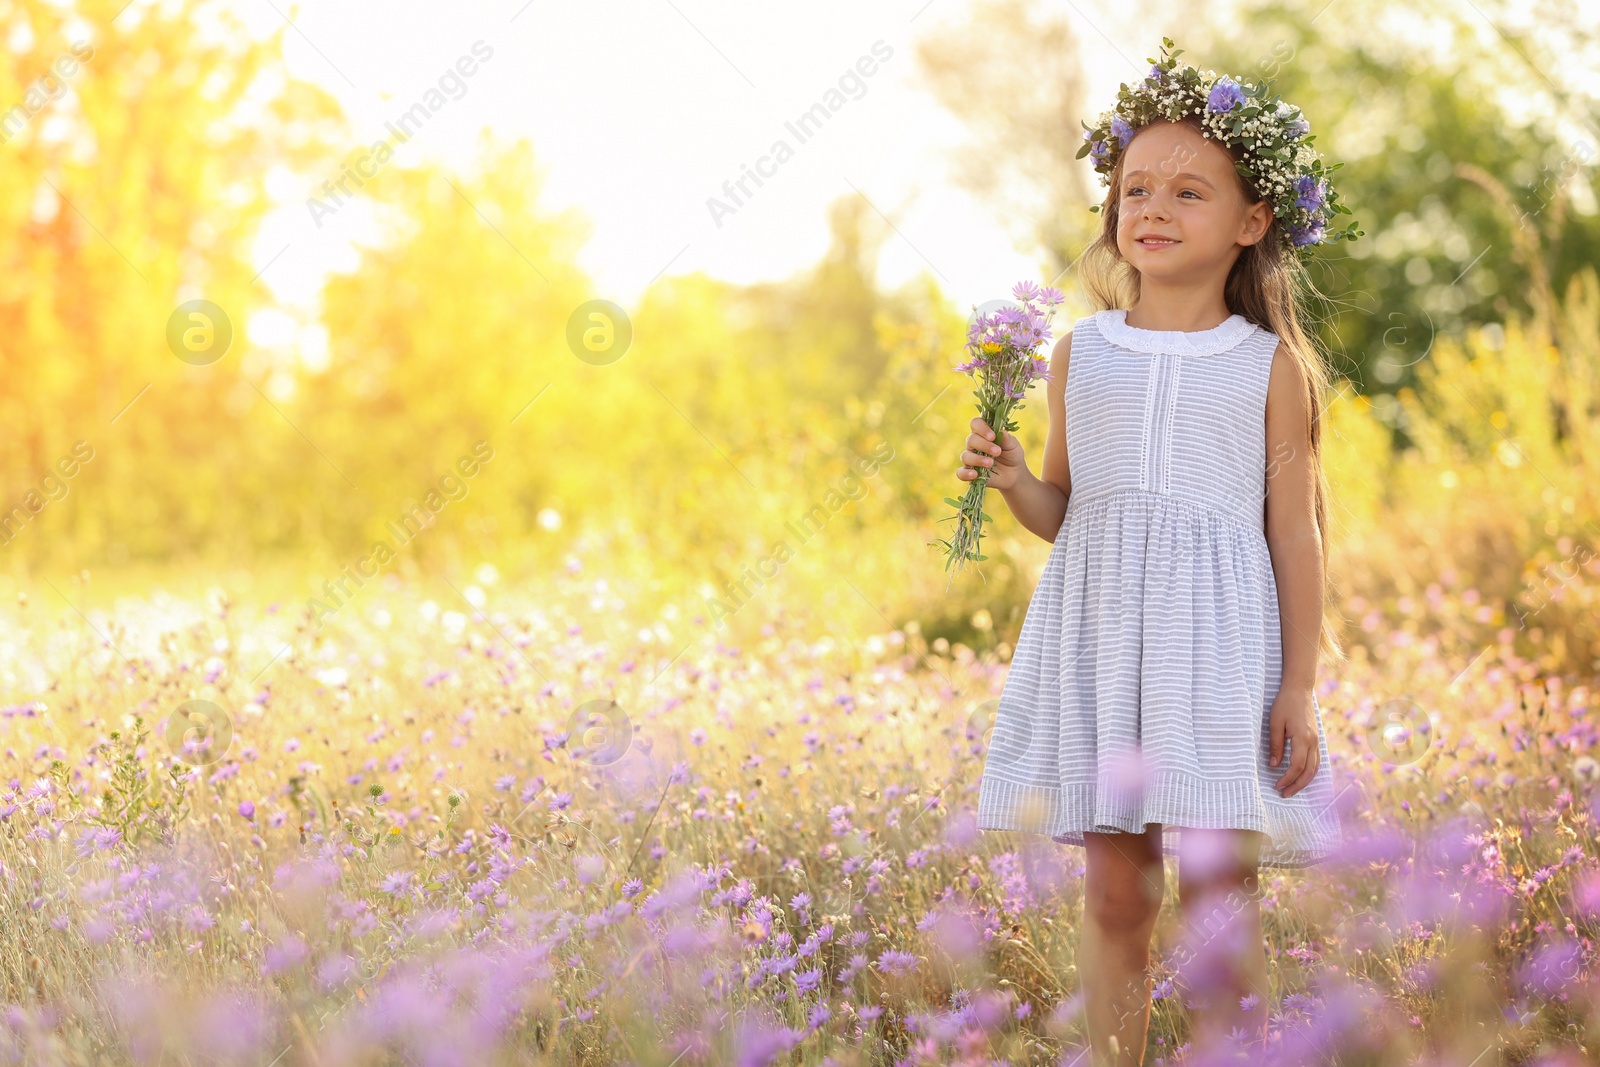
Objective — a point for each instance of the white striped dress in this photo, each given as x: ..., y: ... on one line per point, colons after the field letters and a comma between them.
x: 1151, y: 652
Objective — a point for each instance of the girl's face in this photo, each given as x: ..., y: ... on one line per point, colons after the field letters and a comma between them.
x: 1179, y: 186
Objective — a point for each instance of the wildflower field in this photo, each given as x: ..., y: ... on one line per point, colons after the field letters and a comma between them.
x: 524, y: 832
x: 562, y: 816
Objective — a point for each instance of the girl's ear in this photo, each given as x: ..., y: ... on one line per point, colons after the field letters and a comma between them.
x: 1257, y: 219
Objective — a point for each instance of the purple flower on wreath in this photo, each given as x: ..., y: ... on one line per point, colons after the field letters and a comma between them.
x: 1155, y: 76
x: 1097, y: 152
x: 1224, y: 96
x: 1309, y: 191
x: 1308, y: 235
x: 1293, y: 131
x: 1122, y: 131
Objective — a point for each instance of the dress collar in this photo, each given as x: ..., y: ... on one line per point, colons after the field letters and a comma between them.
x: 1113, y: 326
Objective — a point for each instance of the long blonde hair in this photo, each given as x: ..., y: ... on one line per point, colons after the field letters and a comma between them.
x: 1271, y: 289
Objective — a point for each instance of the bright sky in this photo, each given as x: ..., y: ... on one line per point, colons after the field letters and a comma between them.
x: 641, y: 111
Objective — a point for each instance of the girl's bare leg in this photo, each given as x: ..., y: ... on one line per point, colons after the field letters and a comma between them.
x: 1123, y: 889
x: 1224, y: 950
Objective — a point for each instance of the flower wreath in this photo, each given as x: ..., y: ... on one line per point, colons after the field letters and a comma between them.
x: 1276, y: 139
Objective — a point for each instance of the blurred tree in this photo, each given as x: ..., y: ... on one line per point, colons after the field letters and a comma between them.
x: 445, y: 332
x: 1012, y: 73
x: 1465, y: 201
x: 135, y: 138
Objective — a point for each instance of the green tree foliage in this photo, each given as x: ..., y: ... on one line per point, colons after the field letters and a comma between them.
x: 134, y: 185
x: 1468, y: 205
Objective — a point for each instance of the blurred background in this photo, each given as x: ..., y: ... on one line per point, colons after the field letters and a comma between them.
x: 269, y: 271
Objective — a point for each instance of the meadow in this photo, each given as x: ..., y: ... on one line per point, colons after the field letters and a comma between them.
x: 558, y: 815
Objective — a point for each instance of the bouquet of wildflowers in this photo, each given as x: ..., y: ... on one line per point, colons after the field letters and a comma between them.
x: 1003, y: 346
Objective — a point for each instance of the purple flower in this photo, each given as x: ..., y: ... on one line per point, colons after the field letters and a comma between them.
x: 1121, y: 131
x: 761, y: 1043
x: 1586, y: 895
x: 1097, y: 151
x: 1297, y: 129
x: 894, y: 961
x: 1309, y: 192
x: 247, y: 809
x: 1310, y: 235
x: 396, y: 883
x: 1225, y: 95
x: 1023, y: 290
x: 1552, y: 969
x: 98, y: 839
x: 284, y: 955
x: 1155, y: 76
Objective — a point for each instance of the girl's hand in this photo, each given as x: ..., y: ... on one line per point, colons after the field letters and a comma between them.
x: 1292, y: 718
x: 1005, y: 459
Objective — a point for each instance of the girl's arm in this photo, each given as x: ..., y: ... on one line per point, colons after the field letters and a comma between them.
x: 1291, y: 519
x: 1040, y: 504
x: 1296, y: 548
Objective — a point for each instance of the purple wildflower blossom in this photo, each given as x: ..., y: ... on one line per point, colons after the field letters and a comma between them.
x: 1309, y: 192
x: 1309, y: 235
x: 896, y: 961
x: 1225, y: 95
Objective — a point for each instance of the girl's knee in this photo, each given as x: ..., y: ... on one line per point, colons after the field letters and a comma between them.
x: 1125, y: 880
x: 1127, y: 908
x: 1218, y: 858
x: 1124, y: 900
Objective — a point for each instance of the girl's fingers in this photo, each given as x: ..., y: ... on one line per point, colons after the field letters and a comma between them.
x: 1313, y: 761
x: 1305, y: 765
x: 1297, y: 762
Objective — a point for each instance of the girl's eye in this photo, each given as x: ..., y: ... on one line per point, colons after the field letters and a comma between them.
x: 1139, y: 188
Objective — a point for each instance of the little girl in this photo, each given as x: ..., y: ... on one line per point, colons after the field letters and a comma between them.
x: 1161, y: 699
